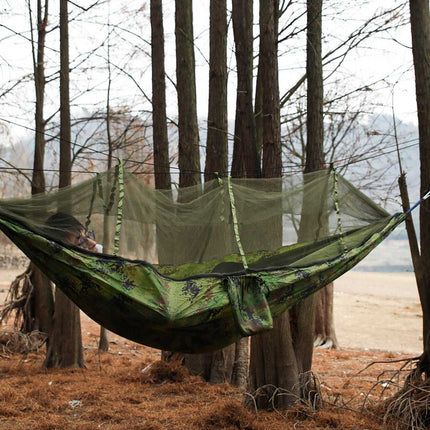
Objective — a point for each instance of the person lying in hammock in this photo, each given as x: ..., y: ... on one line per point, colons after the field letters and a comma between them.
x: 67, y: 228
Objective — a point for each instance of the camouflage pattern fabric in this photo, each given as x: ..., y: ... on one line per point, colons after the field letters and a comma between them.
x: 203, y: 311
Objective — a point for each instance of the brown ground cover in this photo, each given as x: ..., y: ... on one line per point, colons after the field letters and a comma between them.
x: 130, y: 388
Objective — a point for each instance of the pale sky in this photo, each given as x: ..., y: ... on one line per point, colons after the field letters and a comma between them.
x: 385, y: 56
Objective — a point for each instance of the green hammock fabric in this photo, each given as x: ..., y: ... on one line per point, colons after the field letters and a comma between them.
x: 211, y: 300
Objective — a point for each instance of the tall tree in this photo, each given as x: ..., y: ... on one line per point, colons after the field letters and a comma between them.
x: 303, y: 314
x: 223, y: 365
x: 420, y: 29
x: 43, y: 305
x: 65, y: 341
x: 189, y: 154
x: 283, y: 357
x: 272, y: 362
x: 246, y: 161
x: 216, y: 142
x: 159, y: 117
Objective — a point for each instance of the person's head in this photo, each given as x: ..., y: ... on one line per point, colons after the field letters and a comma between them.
x: 70, y: 230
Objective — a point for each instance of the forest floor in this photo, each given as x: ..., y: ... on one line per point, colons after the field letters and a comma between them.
x: 378, y: 325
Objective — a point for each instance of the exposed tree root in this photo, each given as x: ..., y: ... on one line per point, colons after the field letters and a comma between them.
x: 310, y: 397
x: 16, y: 342
x: 18, y: 300
x: 410, y: 407
x: 326, y: 342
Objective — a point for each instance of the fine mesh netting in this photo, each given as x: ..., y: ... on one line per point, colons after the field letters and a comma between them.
x: 196, y: 269
x: 203, y: 223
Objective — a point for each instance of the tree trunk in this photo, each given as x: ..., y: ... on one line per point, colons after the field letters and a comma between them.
x: 65, y: 346
x: 325, y: 334
x: 159, y: 117
x: 228, y: 364
x: 282, y: 358
x: 273, y: 363
x: 38, y: 179
x: 104, y: 339
x: 246, y: 162
x: 216, y: 143
x: 189, y: 155
x: 420, y: 28
x: 65, y: 127
x: 322, y: 301
x: 43, y: 301
x: 65, y: 342
x: 159, y: 120
x: 272, y: 153
x: 303, y: 315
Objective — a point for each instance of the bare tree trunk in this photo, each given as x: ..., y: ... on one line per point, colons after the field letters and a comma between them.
x: 273, y: 363
x: 159, y: 120
x: 258, y: 110
x: 325, y: 334
x: 38, y: 180
x: 282, y: 358
x: 65, y: 127
x: 189, y: 155
x: 246, y: 160
x: 159, y: 117
x: 43, y: 301
x: 65, y: 342
x: 420, y: 28
x: 216, y: 143
x: 303, y: 315
x: 231, y: 363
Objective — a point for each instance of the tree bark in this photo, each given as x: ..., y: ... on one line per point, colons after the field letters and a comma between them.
x: 325, y: 333
x: 65, y: 346
x: 159, y: 117
x: 159, y: 120
x: 420, y: 29
x: 282, y: 358
x: 273, y: 363
x: 43, y: 301
x: 216, y: 143
x: 303, y: 315
x: 65, y: 127
x: 229, y: 364
x: 38, y: 179
x: 272, y: 154
x: 246, y: 162
x: 189, y: 154
x: 65, y: 342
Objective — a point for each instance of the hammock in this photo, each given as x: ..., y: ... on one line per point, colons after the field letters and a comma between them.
x: 234, y: 255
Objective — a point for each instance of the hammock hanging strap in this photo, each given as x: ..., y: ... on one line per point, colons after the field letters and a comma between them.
x: 120, y: 171
x: 337, y: 208
x: 93, y: 197
x: 235, y: 222
x: 117, y: 180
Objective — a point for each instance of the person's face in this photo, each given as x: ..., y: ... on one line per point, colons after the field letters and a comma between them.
x: 85, y: 240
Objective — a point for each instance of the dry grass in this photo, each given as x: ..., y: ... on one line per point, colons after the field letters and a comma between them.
x: 130, y: 388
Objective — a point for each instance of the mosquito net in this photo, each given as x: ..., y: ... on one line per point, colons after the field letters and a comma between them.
x: 195, y: 269
x: 194, y: 229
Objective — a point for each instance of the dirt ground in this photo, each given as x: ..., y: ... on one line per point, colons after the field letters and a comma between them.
x: 377, y: 319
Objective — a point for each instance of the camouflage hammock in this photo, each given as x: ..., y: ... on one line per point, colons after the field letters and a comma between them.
x: 195, y: 270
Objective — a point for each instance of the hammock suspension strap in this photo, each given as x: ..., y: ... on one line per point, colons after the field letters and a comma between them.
x: 235, y: 223
x: 337, y: 209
